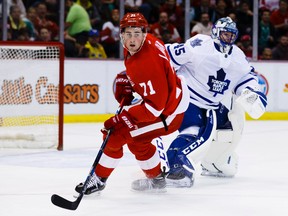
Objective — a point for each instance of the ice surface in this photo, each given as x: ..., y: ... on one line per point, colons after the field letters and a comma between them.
x: 28, y: 178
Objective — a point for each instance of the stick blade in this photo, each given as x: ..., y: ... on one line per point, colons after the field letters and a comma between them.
x: 64, y: 203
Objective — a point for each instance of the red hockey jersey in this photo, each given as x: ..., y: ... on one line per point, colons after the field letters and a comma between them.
x: 154, y: 79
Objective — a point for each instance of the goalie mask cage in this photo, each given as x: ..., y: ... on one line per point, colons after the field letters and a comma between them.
x: 31, y: 95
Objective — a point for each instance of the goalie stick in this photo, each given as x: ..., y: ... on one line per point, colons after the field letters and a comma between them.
x: 73, y: 205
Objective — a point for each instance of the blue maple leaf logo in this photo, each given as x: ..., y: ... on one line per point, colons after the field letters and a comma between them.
x: 196, y: 42
x: 218, y: 84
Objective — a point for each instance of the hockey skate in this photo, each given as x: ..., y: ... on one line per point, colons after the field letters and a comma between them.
x: 156, y: 185
x: 181, y: 173
x: 178, y: 177
x: 95, y: 184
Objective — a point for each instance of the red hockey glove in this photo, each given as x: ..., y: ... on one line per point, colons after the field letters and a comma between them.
x: 121, y: 120
x: 123, y: 89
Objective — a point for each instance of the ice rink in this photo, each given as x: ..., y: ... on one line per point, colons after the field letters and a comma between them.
x: 30, y: 177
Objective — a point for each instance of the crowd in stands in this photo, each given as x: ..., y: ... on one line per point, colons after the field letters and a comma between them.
x: 92, y: 26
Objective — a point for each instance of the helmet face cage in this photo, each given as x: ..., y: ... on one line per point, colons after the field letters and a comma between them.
x: 224, y: 33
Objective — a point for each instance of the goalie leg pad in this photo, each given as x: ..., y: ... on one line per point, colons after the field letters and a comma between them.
x: 190, y: 144
x: 221, y: 159
x: 222, y: 168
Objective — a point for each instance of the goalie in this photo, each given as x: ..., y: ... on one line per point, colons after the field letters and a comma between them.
x: 214, y: 69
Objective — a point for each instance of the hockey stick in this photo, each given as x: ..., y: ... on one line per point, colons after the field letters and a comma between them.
x: 73, y: 205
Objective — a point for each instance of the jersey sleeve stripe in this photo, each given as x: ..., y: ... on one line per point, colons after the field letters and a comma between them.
x: 171, y: 56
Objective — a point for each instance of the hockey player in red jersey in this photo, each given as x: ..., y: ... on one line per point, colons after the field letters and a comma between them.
x: 164, y: 99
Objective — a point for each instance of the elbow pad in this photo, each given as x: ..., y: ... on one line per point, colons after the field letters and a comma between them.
x: 253, y: 102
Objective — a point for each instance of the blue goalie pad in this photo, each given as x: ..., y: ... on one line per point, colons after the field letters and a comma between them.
x: 184, y: 144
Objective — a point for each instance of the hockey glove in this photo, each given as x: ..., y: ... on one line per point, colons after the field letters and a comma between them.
x: 121, y: 120
x: 254, y: 102
x: 123, y: 89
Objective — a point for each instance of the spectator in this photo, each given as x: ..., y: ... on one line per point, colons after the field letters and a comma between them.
x: 279, y: 18
x: 70, y: 45
x: 23, y: 35
x: 138, y: 6
x: 232, y: 15
x: 18, y: 3
x: 110, y: 35
x: 244, y: 18
x: 266, y: 32
x: 245, y: 45
x: 93, y: 12
x: 204, y: 7
x: 164, y: 26
x: 31, y: 16
x: 77, y: 24
x: 53, y: 6
x: 280, y: 52
x: 15, y: 23
x: 266, y: 54
x: 166, y: 36
x: 93, y: 49
x: 271, y: 5
x: 106, y: 7
x: 42, y: 21
x: 175, y: 15
x: 30, y: 3
x: 202, y: 27
x: 221, y: 9
x: 44, y: 35
x: 155, y: 6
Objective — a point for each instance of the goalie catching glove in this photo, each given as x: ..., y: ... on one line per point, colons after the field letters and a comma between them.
x: 123, y: 89
x: 253, y: 102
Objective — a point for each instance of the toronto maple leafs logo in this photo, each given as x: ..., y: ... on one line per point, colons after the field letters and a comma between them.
x: 218, y: 84
x: 196, y: 42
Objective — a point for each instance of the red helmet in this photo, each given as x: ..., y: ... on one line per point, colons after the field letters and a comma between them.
x: 133, y: 19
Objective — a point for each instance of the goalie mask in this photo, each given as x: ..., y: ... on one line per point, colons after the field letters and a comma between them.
x: 224, y: 33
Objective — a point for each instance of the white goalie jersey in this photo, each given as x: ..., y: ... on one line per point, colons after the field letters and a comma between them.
x: 209, y: 73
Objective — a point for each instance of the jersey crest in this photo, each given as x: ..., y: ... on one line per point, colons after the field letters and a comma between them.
x: 218, y: 84
x: 196, y: 42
